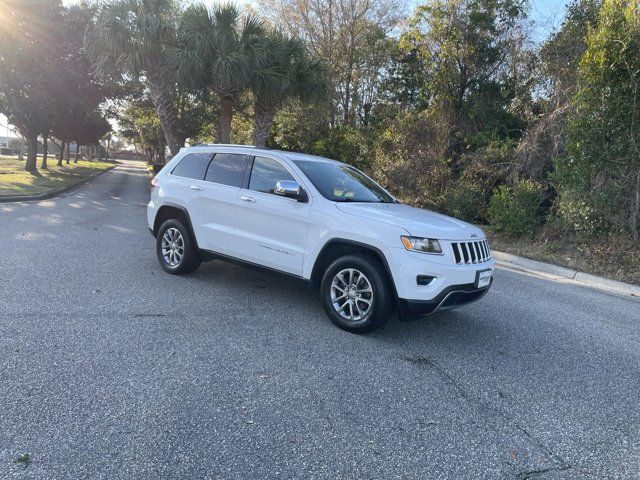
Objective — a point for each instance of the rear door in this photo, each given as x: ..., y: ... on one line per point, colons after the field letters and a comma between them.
x: 185, y: 184
x: 218, y: 207
x: 271, y: 230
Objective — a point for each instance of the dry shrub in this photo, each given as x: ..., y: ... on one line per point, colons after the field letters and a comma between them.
x: 616, y: 257
x: 410, y: 159
x: 543, y: 141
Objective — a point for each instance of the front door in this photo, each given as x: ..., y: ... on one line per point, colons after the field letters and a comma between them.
x: 271, y: 230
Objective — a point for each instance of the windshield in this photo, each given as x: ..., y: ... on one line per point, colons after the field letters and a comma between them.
x: 342, y: 183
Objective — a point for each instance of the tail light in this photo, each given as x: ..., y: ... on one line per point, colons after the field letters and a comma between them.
x: 154, y: 182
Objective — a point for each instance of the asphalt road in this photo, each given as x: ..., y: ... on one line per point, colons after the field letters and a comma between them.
x: 110, y: 368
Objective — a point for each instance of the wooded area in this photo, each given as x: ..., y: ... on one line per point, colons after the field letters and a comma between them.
x: 451, y: 104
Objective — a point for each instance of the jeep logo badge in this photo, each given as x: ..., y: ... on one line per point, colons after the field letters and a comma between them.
x: 473, y: 235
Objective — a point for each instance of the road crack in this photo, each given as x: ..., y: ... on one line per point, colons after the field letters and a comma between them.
x: 542, y: 471
x: 560, y: 464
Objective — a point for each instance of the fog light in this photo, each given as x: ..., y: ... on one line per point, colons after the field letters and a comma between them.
x: 425, y: 280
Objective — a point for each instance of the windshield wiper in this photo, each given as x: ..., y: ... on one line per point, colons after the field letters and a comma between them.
x: 352, y: 200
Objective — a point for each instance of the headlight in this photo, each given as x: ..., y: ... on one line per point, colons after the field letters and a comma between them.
x: 423, y: 245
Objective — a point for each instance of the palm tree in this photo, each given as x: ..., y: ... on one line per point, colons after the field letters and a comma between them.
x: 218, y: 50
x: 131, y: 39
x: 287, y: 72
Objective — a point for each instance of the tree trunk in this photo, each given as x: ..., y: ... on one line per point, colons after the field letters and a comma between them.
x: 367, y: 111
x: 224, y: 120
x: 262, y: 120
x: 162, y: 158
x: 61, y: 154
x: 45, y: 152
x: 635, y: 214
x: 159, y: 92
x: 347, y: 98
x: 21, y: 151
x: 32, y: 154
x: 51, y: 140
x: 67, y: 152
x: 75, y: 160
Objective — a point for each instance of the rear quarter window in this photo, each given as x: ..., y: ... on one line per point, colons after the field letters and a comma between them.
x: 192, y: 165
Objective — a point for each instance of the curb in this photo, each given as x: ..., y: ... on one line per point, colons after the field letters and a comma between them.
x: 513, y: 261
x: 52, y: 193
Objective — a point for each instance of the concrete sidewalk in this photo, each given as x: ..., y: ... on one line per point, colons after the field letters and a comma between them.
x: 513, y: 262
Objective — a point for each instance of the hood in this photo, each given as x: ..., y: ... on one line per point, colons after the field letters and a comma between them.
x: 418, y: 222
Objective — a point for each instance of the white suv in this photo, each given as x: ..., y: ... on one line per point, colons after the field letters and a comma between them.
x: 320, y: 220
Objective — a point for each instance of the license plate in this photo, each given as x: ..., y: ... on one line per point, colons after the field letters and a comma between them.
x: 483, y: 278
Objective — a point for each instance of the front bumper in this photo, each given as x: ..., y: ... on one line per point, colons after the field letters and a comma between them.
x: 406, y: 267
x: 451, y: 297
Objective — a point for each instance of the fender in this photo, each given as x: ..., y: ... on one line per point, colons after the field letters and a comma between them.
x: 364, y: 246
x: 177, y: 207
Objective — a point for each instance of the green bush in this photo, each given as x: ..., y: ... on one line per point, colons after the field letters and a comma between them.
x: 597, y: 178
x: 347, y: 144
x: 584, y: 216
x: 514, y: 210
x: 467, y: 197
x: 466, y: 202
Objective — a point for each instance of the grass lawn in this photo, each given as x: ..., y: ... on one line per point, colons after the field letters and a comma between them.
x: 14, y: 180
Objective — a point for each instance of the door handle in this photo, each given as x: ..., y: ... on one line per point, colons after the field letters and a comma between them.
x: 196, y: 188
x: 247, y: 199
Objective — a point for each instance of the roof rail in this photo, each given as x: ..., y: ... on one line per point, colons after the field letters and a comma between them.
x: 226, y: 145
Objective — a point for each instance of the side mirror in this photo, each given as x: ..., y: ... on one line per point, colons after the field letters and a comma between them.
x: 290, y: 189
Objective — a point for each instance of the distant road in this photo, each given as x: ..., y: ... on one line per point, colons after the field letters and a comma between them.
x: 110, y: 368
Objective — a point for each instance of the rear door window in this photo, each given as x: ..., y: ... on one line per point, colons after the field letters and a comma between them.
x: 192, y: 165
x: 227, y: 169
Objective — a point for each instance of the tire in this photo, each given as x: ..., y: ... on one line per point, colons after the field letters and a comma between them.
x: 336, y: 304
x: 173, y: 232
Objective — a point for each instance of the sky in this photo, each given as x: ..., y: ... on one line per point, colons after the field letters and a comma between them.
x: 546, y: 16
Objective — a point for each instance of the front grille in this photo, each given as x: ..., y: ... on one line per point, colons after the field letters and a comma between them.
x: 467, y: 253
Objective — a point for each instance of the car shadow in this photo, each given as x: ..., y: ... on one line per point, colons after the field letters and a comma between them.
x: 457, y: 327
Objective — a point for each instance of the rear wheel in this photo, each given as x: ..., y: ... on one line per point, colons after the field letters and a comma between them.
x: 175, y: 248
x: 356, y: 294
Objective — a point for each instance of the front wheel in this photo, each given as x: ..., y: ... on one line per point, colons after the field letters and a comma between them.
x: 356, y: 294
x: 175, y: 248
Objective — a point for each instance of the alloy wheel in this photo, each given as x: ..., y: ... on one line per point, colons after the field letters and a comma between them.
x: 351, y: 294
x: 172, y: 247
